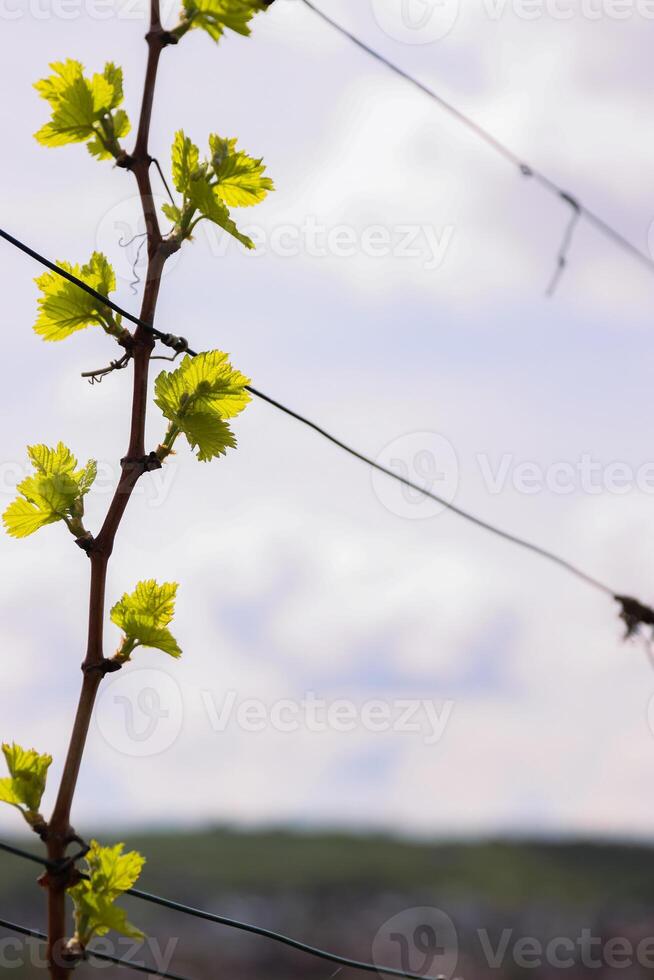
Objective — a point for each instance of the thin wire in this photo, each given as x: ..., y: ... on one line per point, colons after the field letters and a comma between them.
x: 526, y: 169
x: 564, y: 251
x: 27, y: 855
x: 105, y: 957
x: 163, y: 180
x: 277, y: 937
x: 466, y: 515
x: 75, y: 281
x: 478, y: 521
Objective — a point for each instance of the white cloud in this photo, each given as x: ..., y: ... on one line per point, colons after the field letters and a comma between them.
x: 294, y: 575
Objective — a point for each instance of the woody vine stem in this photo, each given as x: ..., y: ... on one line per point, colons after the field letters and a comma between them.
x: 196, y: 400
x: 59, y: 834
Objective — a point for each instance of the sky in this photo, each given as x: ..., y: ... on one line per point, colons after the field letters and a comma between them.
x: 353, y: 655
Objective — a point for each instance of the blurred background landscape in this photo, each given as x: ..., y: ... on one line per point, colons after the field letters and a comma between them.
x: 339, y: 891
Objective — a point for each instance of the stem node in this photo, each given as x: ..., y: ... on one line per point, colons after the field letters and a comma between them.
x: 144, y: 463
x: 104, y: 667
x: 159, y: 36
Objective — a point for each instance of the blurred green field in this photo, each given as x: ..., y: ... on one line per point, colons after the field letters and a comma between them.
x: 230, y: 860
x: 495, y: 872
x: 227, y: 860
x: 337, y: 890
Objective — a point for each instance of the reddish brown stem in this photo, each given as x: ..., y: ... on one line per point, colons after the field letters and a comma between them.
x: 59, y: 832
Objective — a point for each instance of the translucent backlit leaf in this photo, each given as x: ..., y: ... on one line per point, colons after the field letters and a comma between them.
x: 64, y: 308
x: 53, y: 493
x: 198, y: 397
x: 229, y: 177
x: 25, y: 785
x: 217, y: 16
x: 144, y: 616
x: 240, y: 177
x: 110, y: 873
x: 83, y: 109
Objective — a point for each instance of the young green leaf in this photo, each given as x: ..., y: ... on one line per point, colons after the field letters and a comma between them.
x: 172, y: 212
x: 110, y: 873
x: 229, y: 177
x: 25, y: 785
x: 209, y: 434
x: 144, y: 616
x: 83, y: 109
x: 204, y: 197
x: 240, y: 177
x: 215, y: 16
x: 197, y: 398
x: 64, y: 308
x: 186, y: 160
x: 55, y: 492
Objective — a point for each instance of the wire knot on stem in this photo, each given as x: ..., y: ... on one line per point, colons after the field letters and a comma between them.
x: 634, y: 614
x: 157, y: 35
x: 85, y: 543
x: 148, y: 463
x: 179, y: 344
x: 104, y: 666
x: 62, y: 873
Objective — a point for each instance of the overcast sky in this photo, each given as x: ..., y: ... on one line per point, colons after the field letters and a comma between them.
x: 397, y: 297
